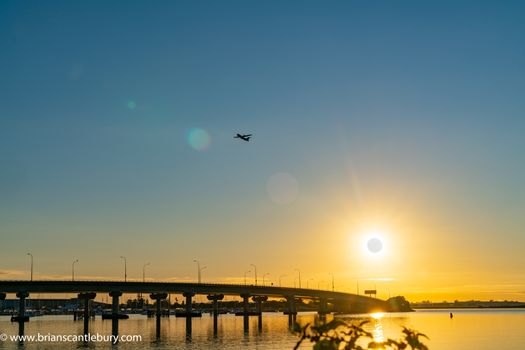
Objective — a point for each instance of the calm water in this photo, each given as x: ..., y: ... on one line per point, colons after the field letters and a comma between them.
x: 469, y: 329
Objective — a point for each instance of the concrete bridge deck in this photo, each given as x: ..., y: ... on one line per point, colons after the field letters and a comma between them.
x: 87, y: 290
x: 54, y: 286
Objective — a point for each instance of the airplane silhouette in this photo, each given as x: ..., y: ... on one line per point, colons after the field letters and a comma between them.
x: 245, y: 137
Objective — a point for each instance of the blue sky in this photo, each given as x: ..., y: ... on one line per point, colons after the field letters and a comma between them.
x: 358, y: 101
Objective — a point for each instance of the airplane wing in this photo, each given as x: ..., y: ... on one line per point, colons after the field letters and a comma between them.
x: 245, y: 137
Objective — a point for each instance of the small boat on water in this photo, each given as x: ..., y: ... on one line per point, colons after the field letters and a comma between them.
x: 109, y: 316
x: 16, y: 318
x: 250, y: 313
x: 221, y: 312
x: 183, y: 313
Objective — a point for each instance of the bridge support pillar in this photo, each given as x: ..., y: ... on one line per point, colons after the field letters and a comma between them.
x: 258, y: 301
x: 86, y: 297
x: 114, y: 311
x: 245, y: 311
x: 215, y: 299
x: 21, y: 311
x: 189, y: 306
x: 323, y: 309
x: 189, y: 311
x: 2, y: 297
x: 292, y: 310
x: 158, y: 297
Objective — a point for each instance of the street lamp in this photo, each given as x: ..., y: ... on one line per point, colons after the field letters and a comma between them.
x: 280, y: 279
x: 311, y: 279
x: 299, y: 272
x: 266, y: 274
x: 199, y: 269
x: 125, y: 268
x: 245, y: 272
x: 144, y: 272
x: 31, y: 255
x: 255, y: 270
x: 333, y: 285
x: 73, y: 270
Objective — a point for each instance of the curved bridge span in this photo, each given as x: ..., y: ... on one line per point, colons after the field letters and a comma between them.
x: 180, y: 288
x: 87, y: 291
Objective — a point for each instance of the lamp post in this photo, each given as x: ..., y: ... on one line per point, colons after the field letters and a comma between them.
x: 144, y: 272
x: 200, y: 273
x: 125, y: 268
x: 311, y: 279
x: 299, y: 272
x: 199, y: 269
x: 280, y: 279
x: 245, y: 272
x: 31, y: 255
x: 255, y: 270
x: 333, y: 284
x: 73, y: 270
x: 266, y: 274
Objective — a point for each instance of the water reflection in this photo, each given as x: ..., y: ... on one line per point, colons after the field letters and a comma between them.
x: 377, y: 332
x: 470, y: 329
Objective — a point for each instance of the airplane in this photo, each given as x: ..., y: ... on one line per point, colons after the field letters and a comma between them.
x: 245, y: 137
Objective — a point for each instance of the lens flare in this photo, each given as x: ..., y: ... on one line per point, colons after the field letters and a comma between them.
x: 132, y: 104
x: 198, y: 139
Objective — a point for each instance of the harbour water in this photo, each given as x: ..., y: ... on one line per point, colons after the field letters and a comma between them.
x: 502, y: 329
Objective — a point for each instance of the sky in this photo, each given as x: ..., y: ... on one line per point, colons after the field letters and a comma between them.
x: 397, y: 119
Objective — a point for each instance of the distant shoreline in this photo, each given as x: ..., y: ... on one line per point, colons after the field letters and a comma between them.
x: 466, y: 307
x: 469, y: 305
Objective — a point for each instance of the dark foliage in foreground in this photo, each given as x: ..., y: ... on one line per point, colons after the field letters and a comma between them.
x: 338, y: 335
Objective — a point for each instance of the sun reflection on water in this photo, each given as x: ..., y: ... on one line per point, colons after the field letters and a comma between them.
x: 378, y: 334
x: 377, y: 331
x: 377, y: 315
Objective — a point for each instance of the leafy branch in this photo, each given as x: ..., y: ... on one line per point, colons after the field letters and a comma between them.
x: 340, y: 335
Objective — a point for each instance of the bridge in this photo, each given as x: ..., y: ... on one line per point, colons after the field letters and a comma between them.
x: 87, y: 290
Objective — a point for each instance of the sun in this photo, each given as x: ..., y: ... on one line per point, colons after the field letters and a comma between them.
x: 374, y: 243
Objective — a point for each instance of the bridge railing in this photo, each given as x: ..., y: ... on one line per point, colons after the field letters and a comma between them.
x: 167, y: 282
x: 190, y: 285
